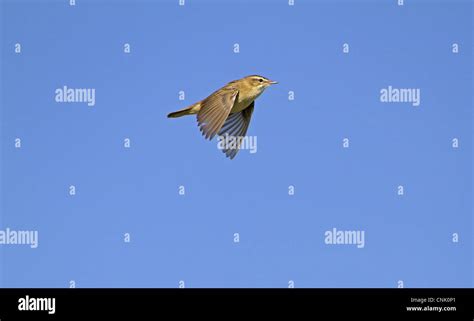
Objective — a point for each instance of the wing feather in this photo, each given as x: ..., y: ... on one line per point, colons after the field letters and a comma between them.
x: 236, y: 126
x: 215, y: 110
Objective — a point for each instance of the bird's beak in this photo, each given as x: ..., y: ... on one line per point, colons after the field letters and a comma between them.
x: 271, y: 82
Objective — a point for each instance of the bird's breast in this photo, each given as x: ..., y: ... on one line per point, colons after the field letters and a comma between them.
x: 243, y: 102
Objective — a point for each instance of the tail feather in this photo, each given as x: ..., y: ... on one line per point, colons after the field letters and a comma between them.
x: 191, y: 110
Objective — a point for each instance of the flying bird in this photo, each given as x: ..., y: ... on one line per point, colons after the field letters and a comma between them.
x: 228, y: 110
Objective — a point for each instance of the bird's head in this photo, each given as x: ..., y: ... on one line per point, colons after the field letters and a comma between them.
x: 251, y: 87
x: 259, y: 82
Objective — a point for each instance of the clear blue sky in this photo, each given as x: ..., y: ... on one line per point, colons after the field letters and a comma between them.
x: 190, y: 237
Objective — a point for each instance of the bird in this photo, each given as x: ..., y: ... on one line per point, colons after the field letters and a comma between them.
x: 228, y: 110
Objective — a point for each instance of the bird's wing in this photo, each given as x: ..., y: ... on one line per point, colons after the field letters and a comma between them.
x: 236, y: 125
x: 215, y: 109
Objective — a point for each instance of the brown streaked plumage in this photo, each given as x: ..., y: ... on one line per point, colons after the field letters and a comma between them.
x: 228, y: 110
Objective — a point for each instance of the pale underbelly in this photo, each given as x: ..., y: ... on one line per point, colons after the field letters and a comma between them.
x: 241, y: 105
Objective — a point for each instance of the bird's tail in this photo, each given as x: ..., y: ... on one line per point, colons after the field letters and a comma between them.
x: 191, y: 110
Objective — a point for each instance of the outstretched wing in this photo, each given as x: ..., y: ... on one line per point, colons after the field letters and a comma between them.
x: 235, y: 128
x: 215, y: 109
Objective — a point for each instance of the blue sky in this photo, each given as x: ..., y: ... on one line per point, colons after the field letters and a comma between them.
x: 191, y: 237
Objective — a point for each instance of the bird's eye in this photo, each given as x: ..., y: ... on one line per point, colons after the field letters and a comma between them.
x: 261, y: 80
